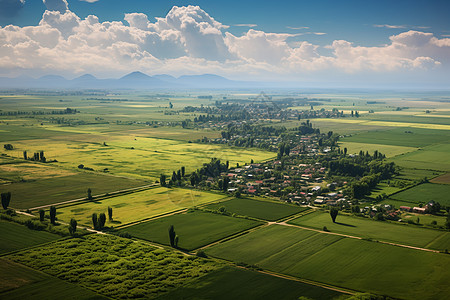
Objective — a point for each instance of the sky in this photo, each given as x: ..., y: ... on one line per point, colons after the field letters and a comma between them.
x: 322, y: 42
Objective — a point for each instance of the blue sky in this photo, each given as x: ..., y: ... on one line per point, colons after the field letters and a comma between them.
x: 311, y: 26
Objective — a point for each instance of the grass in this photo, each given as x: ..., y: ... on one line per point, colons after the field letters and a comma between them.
x: 434, y: 157
x: 416, y: 174
x: 423, y: 193
x: 58, y: 189
x: 116, y: 267
x: 195, y: 229
x: 370, y: 229
x: 233, y: 283
x: 383, y: 188
x: 380, y: 268
x: 15, y: 237
x: 265, y: 210
x: 23, y: 171
x: 20, y: 282
x: 388, y: 150
x: 137, y: 206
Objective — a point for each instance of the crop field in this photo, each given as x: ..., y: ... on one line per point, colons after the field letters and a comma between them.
x: 137, y: 157
x: 265, y: 210
x: 388, y: 150
x: 335, y: 260
x: 20, y: 282
x: 434, y: 157
x: 383, y: 188
x: 424, y: 193
x: 137, y: 206
x: 443, y: 179
x: 16, y: 172
x: 57, y: 189
x: 417, y: 174
x: 405, y: 137
x: 370, y: 229
x: 233, y: 283
x: 195, y: 229
x: 116, y: 267
x: 15, y: 237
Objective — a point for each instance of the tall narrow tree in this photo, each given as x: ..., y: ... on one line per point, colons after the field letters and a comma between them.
x: 6, y: 199
x: 172, y: 235
x: 53, y: 215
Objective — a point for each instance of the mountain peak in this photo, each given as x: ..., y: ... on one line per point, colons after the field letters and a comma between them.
x: 136, y: 75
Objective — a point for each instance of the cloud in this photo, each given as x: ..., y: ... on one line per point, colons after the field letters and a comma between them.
x: 90, y: 1
x: 188, y: 40
x: 297, y: 28
x: 389, y: 26
x: 57, y: 5
x: 246, y: 25
x: 10, y: 8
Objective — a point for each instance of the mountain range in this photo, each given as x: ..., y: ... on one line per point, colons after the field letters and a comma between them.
x: 134, y: 80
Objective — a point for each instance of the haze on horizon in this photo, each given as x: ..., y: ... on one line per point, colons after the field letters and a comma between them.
x: 405, y: 44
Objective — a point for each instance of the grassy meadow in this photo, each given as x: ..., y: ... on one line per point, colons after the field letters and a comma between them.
x: 137, y: 206
x: 264, y: 210
x: 423, y: 193
x: 195, y: 229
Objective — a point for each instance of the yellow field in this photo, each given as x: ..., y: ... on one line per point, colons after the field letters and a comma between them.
x: 386, y: 124
x: 28, y: 171
x: 138, y: 206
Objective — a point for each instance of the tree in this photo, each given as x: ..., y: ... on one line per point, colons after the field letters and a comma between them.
x: 110, y: 213
x: 172, y: 235
x: 101, y: 220
x: 6, y: 199
x: 25, y: 156
x: 72, y: 226
x: 41, y: 215
x: 89, y: 194
x: 183, y: 171
x: 95, y: 221
x: 8, y: 146
x: 333, y: 214
x: 345, y: 151
x: 162, y: 180
x: 176, y: 241
x: 53, y: 215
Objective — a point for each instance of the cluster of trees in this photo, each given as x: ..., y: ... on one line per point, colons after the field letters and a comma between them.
x: 41, y: 112
x: 177, y: 178
x: 8, y: 147
x: 173, y: 237
x: 98, y: 222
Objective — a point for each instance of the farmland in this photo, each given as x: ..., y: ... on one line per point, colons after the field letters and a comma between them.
x: 227, y: 283
x: 20, y: 282
x: 370, y: 229
x: 137, y: 206
x: 265, y: 210
x: 425, y: 192
x: 195, y: 229
x: 335, y: 260
x: 16, y: 237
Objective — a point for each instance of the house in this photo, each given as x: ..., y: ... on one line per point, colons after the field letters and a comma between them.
x: 420, y: 210
x: 320, y: 201
x: 405, y: 208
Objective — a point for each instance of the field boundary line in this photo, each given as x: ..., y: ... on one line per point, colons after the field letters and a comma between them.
x: 174, y: 212
x: 436, y: 239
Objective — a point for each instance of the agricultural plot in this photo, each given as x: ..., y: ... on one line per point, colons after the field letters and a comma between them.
x: 388, y: 150
x: 443, y: 179
x: 115, y: 267
x: 335, y: 260
x: 404, y: 137
x: 417, y: 174
x: 137, y: 157
x: 16, y: 237
x: 383, y: 188
x: 265, y: 210
x: 195, y: 229
x: 20, y: 282
x: 434, y: 157
x: 23, y: 171
x: 58, y: 189
x: 137, y: 206
x: 369, y: 229
x: 233, y: 283
x: 423, y: 193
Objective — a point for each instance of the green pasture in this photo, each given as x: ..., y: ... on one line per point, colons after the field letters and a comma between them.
x: 47, y: 191
x: 137, y: 206
x: 115, y: 267
x: 434, y: 157
x: 416, y: 174
x: 335, y: 260
x: 15, y: 237
x: 265, y: 210
x: 19, y: 282
x: 383, y: 188
x: 388, y: 150
x: 194, y: 229
x: 423, y: 193
x: 234, y: 283
x: 404, y: 137
x: 371, y: 229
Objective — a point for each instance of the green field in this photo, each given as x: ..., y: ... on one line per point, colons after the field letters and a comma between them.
x: 370, y: 229
x: 335, y: 260
x: 265, y: 210
x: 388, y: 150
x: 16, y: 237
x: 115, y: 267
x: 195, y: 229
x: 137, y: 206
x: 233, y: 283
x: 434, y: 157
x: 417, y: 174
x: 423, y: 193
x: 405, y: 137
x: 19, y: 282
